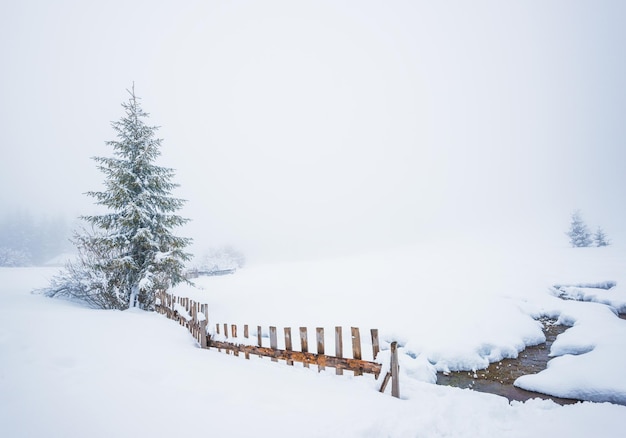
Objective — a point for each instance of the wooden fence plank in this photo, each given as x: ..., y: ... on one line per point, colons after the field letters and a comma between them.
x: 288, y: 345
x: 273, y: 341
x: 245, y: 335
x: 356, y: 347
x: 375, y: 343
x: 320, y: 345
x: 194, y: 320
x: 338, y: 347
x: 226, y: 334
x: 203, y: 325
x: 304, y: 342
x: 233, y: 332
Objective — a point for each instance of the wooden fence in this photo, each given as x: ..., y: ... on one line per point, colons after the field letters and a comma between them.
x: 193, y: 316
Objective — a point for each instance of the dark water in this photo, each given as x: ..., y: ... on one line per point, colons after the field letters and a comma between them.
x: 498, y: 378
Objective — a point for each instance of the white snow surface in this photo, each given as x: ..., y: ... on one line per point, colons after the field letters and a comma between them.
x: 70, y: 371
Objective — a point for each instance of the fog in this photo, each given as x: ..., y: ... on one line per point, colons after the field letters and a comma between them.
x: 314, y: 129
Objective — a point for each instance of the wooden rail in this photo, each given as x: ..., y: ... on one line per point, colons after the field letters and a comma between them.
x: 355, y: 364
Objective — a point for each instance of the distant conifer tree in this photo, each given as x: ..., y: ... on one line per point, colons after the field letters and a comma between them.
x: 578, y: 233
x: 600, y: 239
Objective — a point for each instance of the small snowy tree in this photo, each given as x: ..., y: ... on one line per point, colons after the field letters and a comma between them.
x: 578, y: 233
x: 130, y: 252
x: 600, y: 239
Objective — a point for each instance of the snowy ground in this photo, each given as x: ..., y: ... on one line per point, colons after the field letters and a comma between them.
x: 67, y: 371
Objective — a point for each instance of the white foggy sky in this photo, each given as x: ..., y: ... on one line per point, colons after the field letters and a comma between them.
x: 313, y: 128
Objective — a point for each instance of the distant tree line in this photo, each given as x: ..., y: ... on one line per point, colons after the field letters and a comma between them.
x: 27, y: 241
x: 224, y: 258
x: 580, y: 236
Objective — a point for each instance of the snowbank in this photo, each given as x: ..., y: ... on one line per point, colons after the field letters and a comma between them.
x: 451, y: 308
x: 68, y: 371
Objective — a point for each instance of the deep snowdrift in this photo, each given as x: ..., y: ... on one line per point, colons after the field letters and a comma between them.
x: 68, y: 371
x: 456, y: 307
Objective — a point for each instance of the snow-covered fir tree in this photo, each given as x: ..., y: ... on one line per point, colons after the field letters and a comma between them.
x: 600, y: 239
x: 578, y: 233
x: 130, y: 252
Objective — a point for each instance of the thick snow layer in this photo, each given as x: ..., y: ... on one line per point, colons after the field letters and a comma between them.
x: 588, y: 362
x: 69, y: 371
x: 451, y: 308
x: 612, y: 296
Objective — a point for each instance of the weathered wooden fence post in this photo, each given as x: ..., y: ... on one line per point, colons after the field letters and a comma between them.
x: 395, y: 371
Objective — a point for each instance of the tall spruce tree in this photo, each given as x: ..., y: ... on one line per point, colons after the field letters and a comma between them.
x: 129, y: 252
